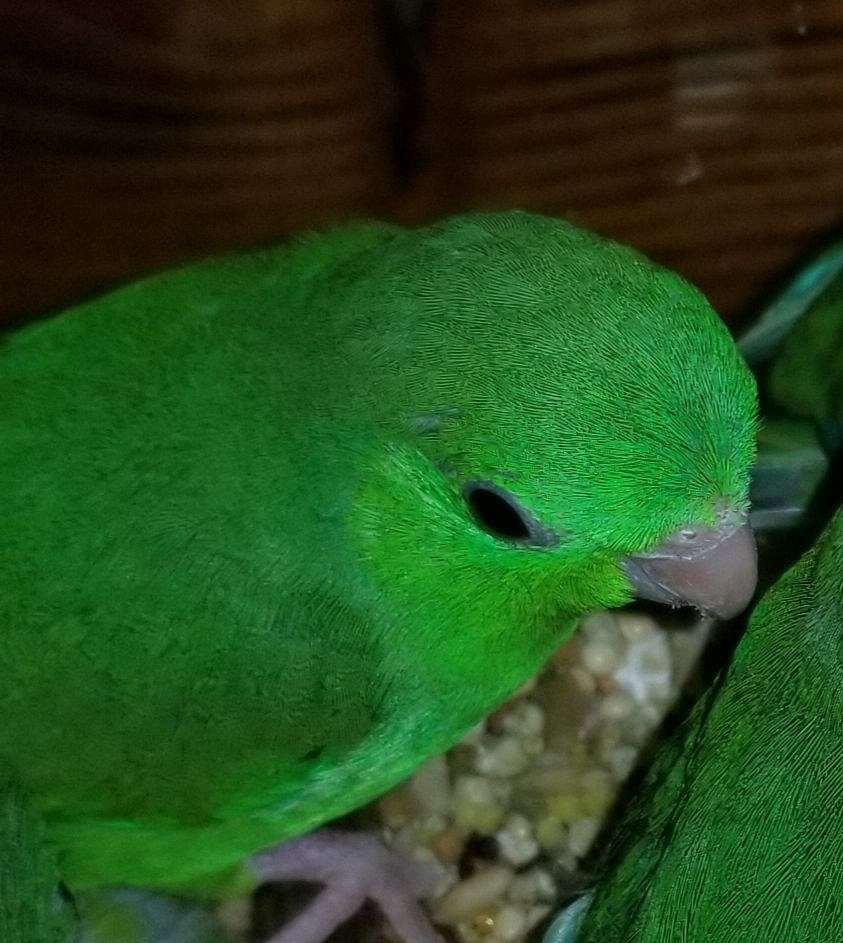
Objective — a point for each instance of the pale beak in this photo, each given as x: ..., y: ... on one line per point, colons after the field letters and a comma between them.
x: 714, y: 569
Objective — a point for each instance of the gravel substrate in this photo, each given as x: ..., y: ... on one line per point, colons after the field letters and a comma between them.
x: 507, y: 817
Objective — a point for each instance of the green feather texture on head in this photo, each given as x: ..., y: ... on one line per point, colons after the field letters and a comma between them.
x: 737, y: 833
x: 279, y: 526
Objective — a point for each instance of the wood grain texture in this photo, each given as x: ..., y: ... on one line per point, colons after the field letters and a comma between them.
x: 137, y: 136
x: 708, y: 134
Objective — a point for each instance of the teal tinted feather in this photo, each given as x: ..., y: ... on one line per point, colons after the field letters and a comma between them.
x: 243, y: 589
x: 761, y: 343
x: 806, y: 378
x: 737, y: 834
x: 803, y: 383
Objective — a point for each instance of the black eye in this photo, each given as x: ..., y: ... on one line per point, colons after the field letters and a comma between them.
x: 499, y: 513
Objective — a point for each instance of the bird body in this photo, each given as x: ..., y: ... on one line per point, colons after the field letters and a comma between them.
x: 278, y: 527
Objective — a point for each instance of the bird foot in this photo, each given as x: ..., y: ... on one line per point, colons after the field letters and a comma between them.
x: 353, y: 867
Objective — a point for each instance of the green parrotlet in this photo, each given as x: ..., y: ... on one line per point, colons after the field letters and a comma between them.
x: 737, y: 834
x: 280, y: 526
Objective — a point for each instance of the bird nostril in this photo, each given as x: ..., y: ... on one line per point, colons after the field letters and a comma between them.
x: 689, y: 534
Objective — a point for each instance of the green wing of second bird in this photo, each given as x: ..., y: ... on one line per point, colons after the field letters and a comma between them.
x: 796, y: 347
x: 806, y: 378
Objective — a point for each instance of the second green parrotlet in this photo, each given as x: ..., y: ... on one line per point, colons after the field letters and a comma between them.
x: 737, y: 833
x: 279, y: 527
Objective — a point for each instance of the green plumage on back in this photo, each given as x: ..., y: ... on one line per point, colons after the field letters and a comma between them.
x: 738, y: 831
x: 242, y: 588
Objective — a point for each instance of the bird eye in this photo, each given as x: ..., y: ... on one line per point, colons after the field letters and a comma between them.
x: 499, y: 513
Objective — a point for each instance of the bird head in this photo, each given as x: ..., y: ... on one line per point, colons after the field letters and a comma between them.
x: 569, y: 425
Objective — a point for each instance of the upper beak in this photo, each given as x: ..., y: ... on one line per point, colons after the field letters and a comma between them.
x: 714, y: 569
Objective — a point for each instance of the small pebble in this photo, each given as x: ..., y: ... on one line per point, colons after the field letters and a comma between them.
x: 565, y: 863
x: 536, y: 914
x: 476, y: 807
x: 442, y: 877
x: 398, y: 807
x: 474, y: 894
x: 637, y: 728
x: 430, y: 825
x: 581, y: 836
x: 533, y: 746
x: 501, y: 757
x: 645, y: 673
x: 617, y: 707
x: 482, y: 925
x: 534, y: 885
x: 516, y: 841
x: 605, y: 685
x: 448, y: 845
x: 635, y: 627
x: 551, y: 833
x: 598, y: 792
x: 583, y: 679
x: 654, y: 657
x: 621, y: 761
x: 548, y: 779
x: 431, y: 786
x: 595, y: 780
x: 510, y: 923
x: 524, y: 719
x: 475, y: 735
x: 566, y: 807
x: 607, y: 739
x: 600, y: 659
x: 600, y: 626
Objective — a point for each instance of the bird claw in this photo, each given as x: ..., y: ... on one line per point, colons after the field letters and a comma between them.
x: 353, y: 867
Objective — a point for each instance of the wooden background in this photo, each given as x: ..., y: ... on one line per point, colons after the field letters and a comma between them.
x: 708, y: 133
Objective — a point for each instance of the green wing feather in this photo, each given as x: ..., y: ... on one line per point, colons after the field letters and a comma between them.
x: 32, y: 909
x: 806, y: 378
x: 796, y: 346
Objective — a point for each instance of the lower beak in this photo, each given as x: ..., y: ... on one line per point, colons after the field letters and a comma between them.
x: 714, y: 569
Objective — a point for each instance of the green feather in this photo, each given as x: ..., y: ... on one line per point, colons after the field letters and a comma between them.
x: 761, y: 343
x: 31, y: 907
x: 806, y: 378
x: 737, y: 833
x: 242, y: 589
x: 802, y: 379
